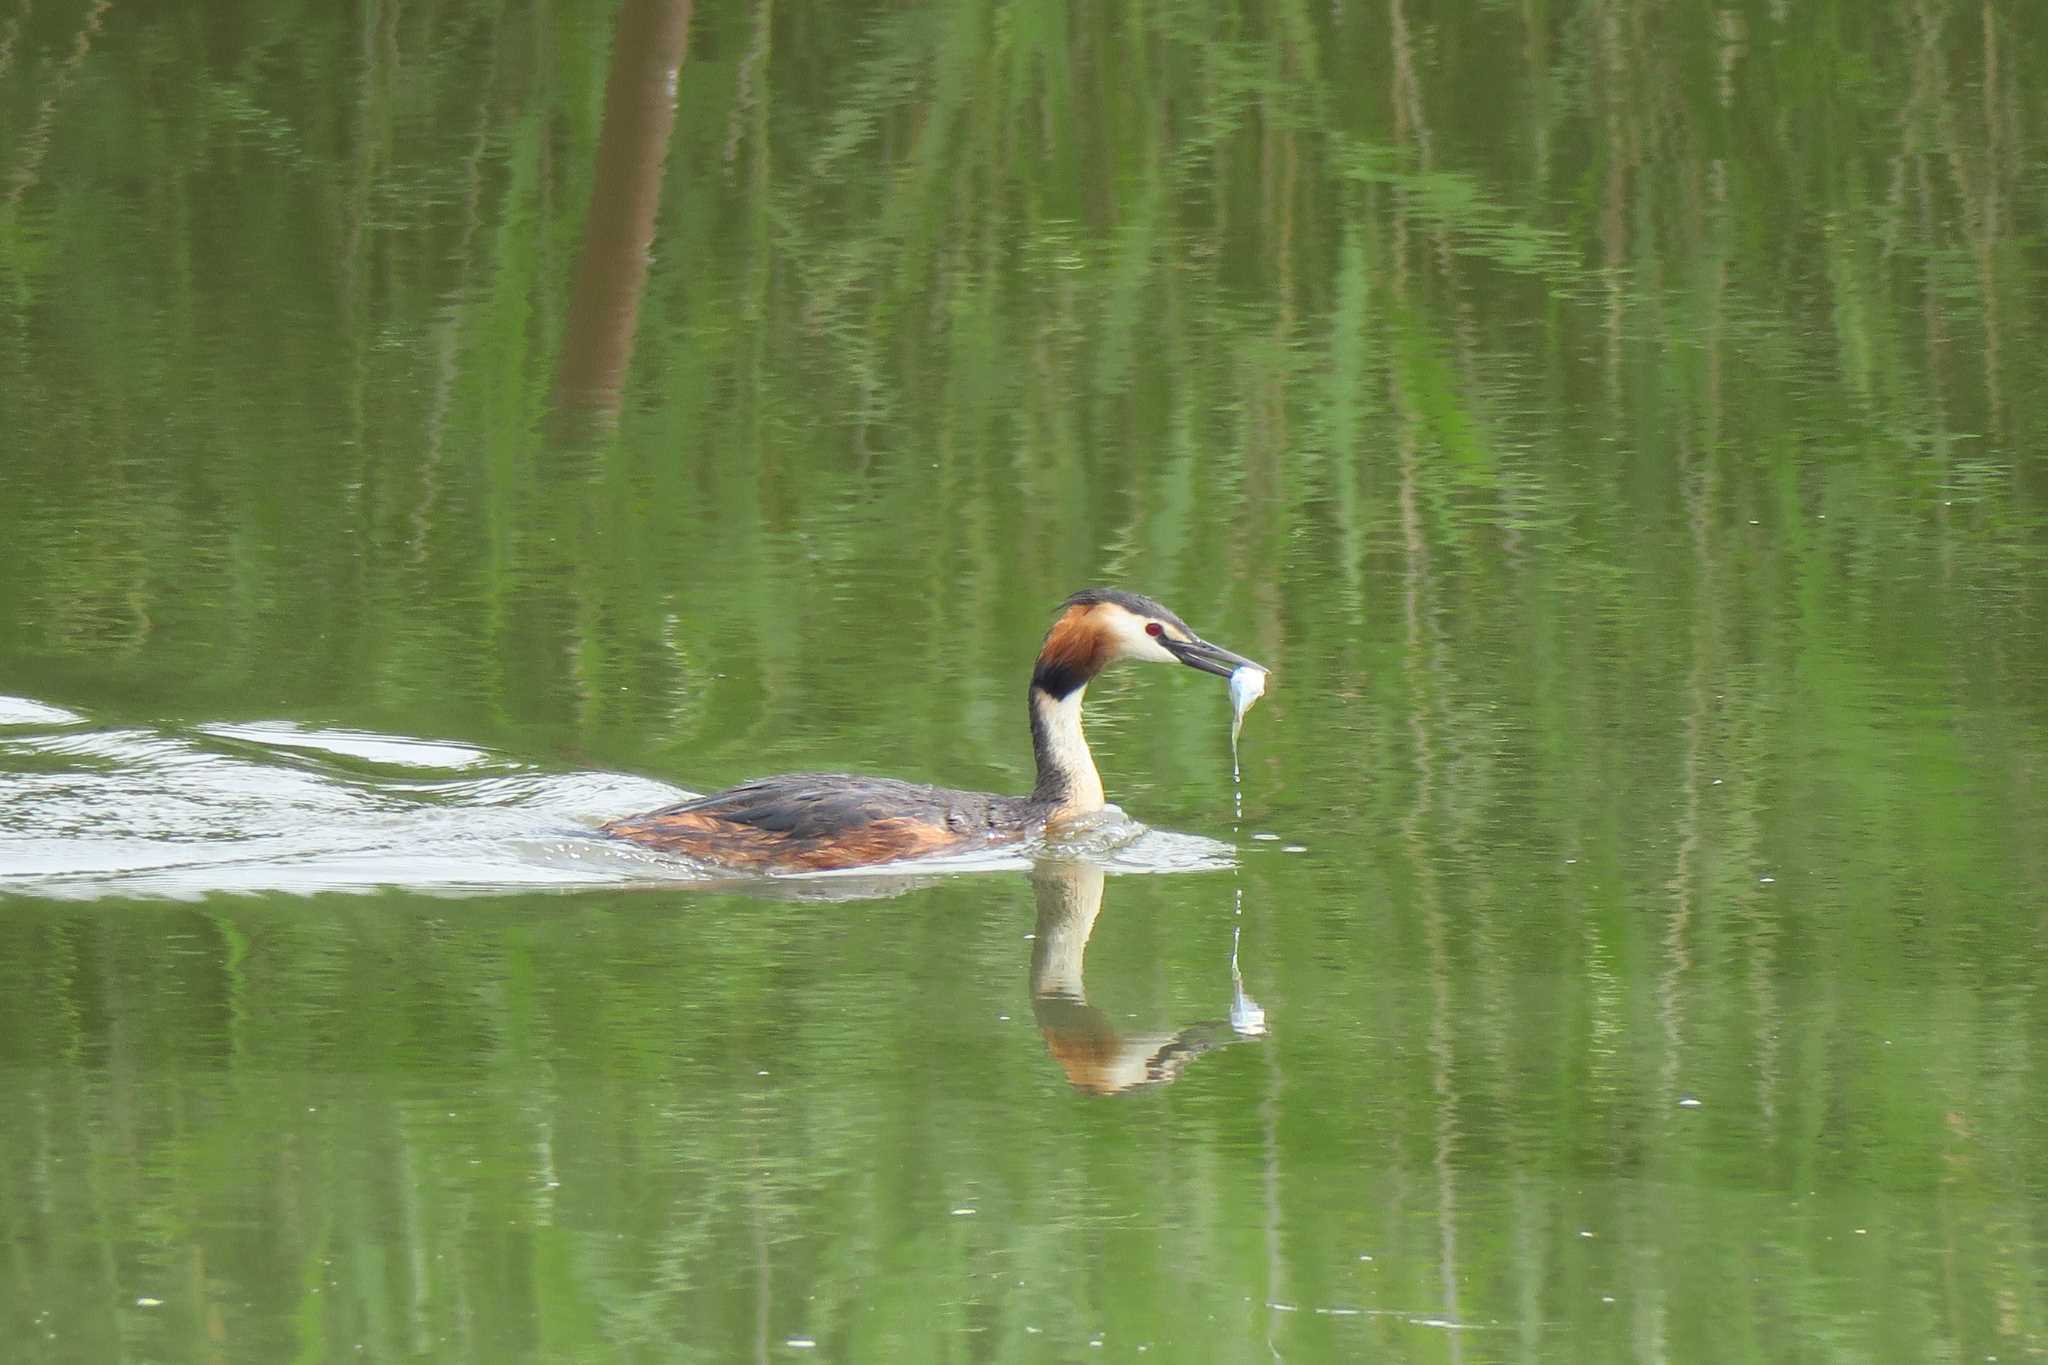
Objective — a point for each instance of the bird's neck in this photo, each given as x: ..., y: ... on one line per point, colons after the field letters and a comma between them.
x: 1069, y: 897
x: 1067, y: 781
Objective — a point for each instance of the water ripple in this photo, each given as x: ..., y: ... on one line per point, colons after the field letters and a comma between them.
x: 274, y: 806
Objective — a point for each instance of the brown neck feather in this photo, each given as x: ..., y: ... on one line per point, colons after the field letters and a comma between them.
x: 1075, y: 650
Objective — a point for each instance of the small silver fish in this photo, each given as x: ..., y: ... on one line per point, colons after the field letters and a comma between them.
x: 1247, y: 685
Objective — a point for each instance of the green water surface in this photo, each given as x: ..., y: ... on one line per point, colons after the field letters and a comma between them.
x: 1619, y: 424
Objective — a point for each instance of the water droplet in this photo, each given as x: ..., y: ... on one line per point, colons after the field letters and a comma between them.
x: 149, y: 1303
x: 800, y: 1343
x: 1689, y: 1102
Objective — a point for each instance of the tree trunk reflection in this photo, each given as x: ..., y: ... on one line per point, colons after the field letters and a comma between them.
x: 639, y: 112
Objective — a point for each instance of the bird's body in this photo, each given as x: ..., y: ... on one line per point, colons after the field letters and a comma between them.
x: 814, y: 822
x: 809, y: 822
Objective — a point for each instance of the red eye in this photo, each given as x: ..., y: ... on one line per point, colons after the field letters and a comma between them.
x: 1154, y: 629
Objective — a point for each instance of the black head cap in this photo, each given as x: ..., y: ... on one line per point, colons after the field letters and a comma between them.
x: 1129, y: 601
x: 1071, y: 657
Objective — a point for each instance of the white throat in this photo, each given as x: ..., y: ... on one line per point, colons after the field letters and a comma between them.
x: 1066, y: 770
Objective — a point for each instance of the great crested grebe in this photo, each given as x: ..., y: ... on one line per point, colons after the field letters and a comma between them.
x: 809, y: 822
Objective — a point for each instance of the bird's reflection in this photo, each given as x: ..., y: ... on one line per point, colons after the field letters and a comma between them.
x: 1098, y: 1057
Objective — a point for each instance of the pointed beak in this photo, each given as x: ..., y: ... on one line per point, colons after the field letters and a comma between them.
x: 1207, y: 657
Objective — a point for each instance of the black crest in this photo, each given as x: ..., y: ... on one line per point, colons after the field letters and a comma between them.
x: 1129, y: 601
x: 1073, y: 653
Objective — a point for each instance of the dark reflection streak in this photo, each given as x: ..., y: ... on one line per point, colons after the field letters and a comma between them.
x: 1988, y: 224
x: 1428, y: 896
x: 1414, y: 112
x: 1934, y: 91
x: 760, y: 190
x: 1409, y: 123
x: 448, y: 331
x: 1924, y: 103
x: 625, y: 195
x: 352, y: 274
x: 1760, y: 929
x: 1613, y: 229
x: 35, y: 144
x: 1416, y: 672
x: 1531, y: 1224
x: 1536, y: 72
x: 1681, y: 884
x: 750, y: 93
x: 1283, y: 146
x: 1700, y: 481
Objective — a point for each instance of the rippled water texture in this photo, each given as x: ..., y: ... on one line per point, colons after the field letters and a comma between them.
x: 429, y: 431
x: 89, y: 812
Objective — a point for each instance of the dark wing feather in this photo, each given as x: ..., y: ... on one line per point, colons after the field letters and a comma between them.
x: 822, y: 820
x: 813, y: 805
